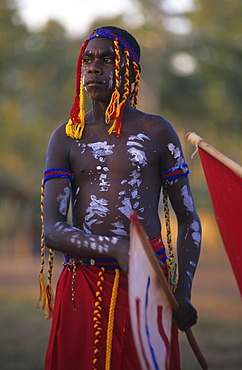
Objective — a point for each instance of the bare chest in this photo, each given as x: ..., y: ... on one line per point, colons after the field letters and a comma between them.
x: 112, y: 178
x: 114, y: 156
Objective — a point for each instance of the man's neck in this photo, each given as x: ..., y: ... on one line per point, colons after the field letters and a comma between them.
x: 97, y: 113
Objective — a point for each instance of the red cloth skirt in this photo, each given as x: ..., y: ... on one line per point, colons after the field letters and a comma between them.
x: 74, y: 343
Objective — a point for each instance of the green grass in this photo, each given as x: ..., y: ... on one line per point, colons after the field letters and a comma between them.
x: 24, y: 330
x: 23, y: 335
x: 220, y: 343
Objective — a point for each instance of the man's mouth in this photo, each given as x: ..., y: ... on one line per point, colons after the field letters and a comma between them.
x: 93, y: 82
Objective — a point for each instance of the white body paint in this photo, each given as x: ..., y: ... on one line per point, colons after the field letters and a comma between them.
x: 104, y: 183
x: 196, y: 235
x: 175, y: 151
x: 77, y: 191
x: 128, y: 200
x: 63, y: 200
x: 110, y: 82
x: 97, y: 207
x: 101, y: 150
x: 187, y: 199
x: 138, y: 159
x: 126, y: 207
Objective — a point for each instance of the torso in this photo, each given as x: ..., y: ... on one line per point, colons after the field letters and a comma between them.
x: 114, y: 175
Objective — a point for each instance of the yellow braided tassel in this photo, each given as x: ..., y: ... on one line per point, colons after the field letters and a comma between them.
x: 46, y: 297
x: 50, y: 296
x: 111, y: 320
x: 112, y: 128
x: 112, y: 108
x: 97, y: 316
x: 42, y: 298
x: 134, y: 94
x: 75, y: 129
x: 42, y: 302
x: 42, y: 282
x: 116, y: 126
x: 111, y: 111
x: 171, y: 263
x: 126, y: 82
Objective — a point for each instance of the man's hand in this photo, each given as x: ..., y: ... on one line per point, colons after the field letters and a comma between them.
x: 185, y: 317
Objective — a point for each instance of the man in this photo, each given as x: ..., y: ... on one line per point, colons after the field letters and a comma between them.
x: 108, y: 162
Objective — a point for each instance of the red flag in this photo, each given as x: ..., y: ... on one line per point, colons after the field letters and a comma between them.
x: 225, y: 187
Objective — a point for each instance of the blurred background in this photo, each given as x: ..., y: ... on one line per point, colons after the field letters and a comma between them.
x: 191, y: 74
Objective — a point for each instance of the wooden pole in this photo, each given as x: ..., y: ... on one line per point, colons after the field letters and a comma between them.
x: 156, y: 264
x: 198, y: 141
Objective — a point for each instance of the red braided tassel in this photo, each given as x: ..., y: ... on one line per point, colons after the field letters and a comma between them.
x: 76, y: 105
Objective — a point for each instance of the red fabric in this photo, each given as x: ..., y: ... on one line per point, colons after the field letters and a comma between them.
x: 225, y: 188
x: 157, y: 244
x: 71, y: 341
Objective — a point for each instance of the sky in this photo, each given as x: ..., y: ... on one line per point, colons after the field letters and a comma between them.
x: 77, y: 15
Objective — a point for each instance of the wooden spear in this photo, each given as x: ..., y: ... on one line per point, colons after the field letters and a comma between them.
x: 198, y: 141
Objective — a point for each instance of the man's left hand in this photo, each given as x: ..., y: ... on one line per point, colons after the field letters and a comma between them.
x: 186, y: 316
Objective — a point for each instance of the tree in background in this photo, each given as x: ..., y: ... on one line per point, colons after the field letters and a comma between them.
x: 36, y: 92
x: 198, y: 72
x: 191, y: 74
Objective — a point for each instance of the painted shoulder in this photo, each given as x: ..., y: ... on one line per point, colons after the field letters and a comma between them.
x: 158, y: 124
x: 60, y: 130
x: 59, y: 134
x: 59, y: 139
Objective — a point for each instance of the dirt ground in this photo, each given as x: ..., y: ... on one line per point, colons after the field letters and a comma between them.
x: 24, y: 331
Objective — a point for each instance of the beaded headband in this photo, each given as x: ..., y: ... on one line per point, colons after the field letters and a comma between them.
x: 114, y: 111
x: 104, y: 32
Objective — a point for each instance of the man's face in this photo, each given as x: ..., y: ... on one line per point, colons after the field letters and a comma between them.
x: 98, y: 69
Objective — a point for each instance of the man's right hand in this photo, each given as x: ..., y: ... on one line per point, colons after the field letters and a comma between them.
x: 122, y: 254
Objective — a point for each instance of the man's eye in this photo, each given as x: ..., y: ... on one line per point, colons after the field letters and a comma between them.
x: 86, y: 60
x: 108, y: 60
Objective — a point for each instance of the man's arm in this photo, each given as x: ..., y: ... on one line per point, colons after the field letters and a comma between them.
x: 59, y: 234
x: 188, y: 249
x: 189, y: 229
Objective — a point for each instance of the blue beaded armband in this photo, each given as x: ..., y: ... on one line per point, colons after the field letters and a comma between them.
x: 175, y: 172
x: 58, y: 172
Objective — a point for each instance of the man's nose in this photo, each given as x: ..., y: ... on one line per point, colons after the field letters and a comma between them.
x: 95, y: 68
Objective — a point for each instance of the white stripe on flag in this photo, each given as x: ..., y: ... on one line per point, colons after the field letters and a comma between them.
x: 150, y: 311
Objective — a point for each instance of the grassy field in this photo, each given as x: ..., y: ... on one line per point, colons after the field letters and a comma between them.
x: 219, y: 329
x: 24, y: 331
